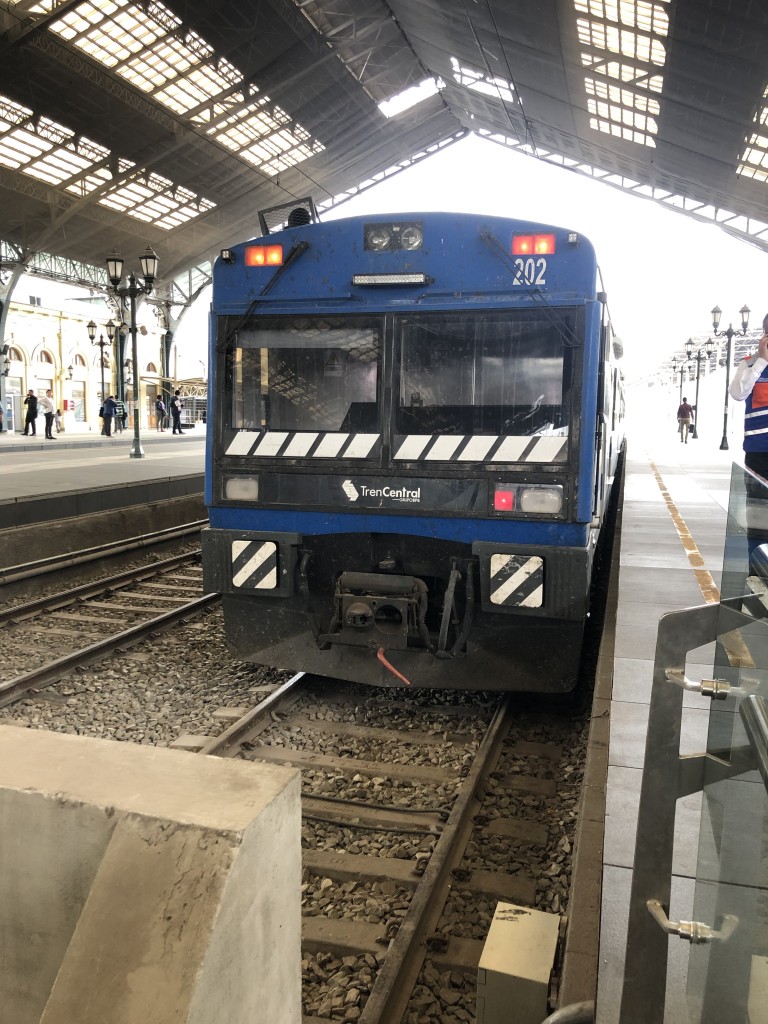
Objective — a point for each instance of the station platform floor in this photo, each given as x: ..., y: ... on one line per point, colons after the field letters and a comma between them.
x: 82, y: 474
x: 675, y: 503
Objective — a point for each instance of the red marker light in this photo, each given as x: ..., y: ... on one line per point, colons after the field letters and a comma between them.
x: 529, y: 245
x: 264, y: 255
x: 503, y: 501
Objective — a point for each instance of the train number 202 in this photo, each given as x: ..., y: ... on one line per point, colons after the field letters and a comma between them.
x: 530, y: 271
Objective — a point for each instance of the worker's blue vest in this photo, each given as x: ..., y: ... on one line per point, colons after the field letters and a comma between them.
x: 756, y: 416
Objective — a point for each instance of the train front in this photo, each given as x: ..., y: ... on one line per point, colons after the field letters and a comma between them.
x: 402, y: 459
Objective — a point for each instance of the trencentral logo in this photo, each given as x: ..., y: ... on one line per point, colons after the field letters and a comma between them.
x: 393, y: 494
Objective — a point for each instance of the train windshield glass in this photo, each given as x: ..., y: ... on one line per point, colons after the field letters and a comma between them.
x: 492, y: 373
x: 306, y: 374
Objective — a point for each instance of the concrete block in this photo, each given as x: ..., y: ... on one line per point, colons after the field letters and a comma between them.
x: 140, y: 884
x: 515, y: 966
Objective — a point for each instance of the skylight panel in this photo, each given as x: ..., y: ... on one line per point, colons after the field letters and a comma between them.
x: 754, y: 159
x: 48, y: 151
x: 154, y: 199
x: 619, y: 90
x: 409, y: 97
x: 621, y: 72
x: 265, y: 137
x: 490, y: 85
x: 145, y: 43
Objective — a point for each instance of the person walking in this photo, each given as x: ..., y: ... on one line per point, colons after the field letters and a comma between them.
x: 120, y: 415
x: 110, y: 407
x: 49, y: 410
x: 176, y: 406
x: 30, y: 420
x: 684, y: 418
x: 160, y: 413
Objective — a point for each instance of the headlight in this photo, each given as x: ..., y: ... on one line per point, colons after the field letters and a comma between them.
x: 544, y: 500
x: 377, y: 237
x: 241, y: 488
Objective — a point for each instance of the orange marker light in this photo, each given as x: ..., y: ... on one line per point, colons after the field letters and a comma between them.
x: 264, y: 255
x: 529, y: 245
x: 543, y: 245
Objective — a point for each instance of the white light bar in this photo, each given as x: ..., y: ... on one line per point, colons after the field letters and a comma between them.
x: 390, y: 279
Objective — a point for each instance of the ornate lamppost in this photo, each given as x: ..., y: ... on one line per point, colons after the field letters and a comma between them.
x: 132, y: 291
x: 101, y: 343
x: 681, y: 371
x: 729, y: 334
x: 708, y: 345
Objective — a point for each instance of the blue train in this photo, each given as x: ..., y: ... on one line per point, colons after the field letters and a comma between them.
x: 414, y: 426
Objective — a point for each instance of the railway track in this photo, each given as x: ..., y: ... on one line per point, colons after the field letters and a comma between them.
x: 419, y: 815
x: 77, y: 627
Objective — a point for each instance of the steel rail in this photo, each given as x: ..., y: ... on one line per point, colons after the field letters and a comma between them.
x: 117, y: 582
x: 394, y: 984
x: 55, y: 670
x: 221, y: 745
x: 56, y: 563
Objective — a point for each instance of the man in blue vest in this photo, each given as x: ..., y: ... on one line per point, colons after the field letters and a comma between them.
x: 750, y: 385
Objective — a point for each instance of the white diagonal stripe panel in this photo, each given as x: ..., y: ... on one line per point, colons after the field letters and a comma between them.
x: 266, y: 550
x: 413, y: 445
x: 511, y: 449
x: 443, y: 448
x: 330, y: 445
x: 547, y: 449
x: 477, y: 448
x: 360, y: 446
x: 271, y: 442
x: 533, y: 600
x: 242, y: 443
x: 300, y: 445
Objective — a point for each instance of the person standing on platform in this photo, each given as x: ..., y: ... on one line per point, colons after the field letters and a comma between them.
x: 684, y: 417
x: 750, y: 385
x: 30, y: 420
x: 57, y: 420
x: 160, y: 413
x: 49, y: 409
x: 120, y: 415
x: 110, y: 407
x: 176, y: 406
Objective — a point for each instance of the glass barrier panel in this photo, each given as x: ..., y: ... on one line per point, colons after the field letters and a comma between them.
x: 728, y: 975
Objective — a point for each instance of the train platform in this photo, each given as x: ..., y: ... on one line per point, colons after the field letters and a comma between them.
x: 674, y: 520
x: 82, y: 474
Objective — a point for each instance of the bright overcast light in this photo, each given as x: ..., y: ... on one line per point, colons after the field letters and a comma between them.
x: 662, y: 270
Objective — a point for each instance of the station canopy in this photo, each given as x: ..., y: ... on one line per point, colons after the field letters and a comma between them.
x: 124, y: 123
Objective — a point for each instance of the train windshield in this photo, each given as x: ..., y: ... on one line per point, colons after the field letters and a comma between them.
x: 306, y: 374
x: 493, y: 373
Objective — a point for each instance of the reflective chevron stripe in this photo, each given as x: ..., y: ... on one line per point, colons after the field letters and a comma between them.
x: 282, y: 444
x: 254, y: 564
x: 481, y: 448
x: 517, y: 581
